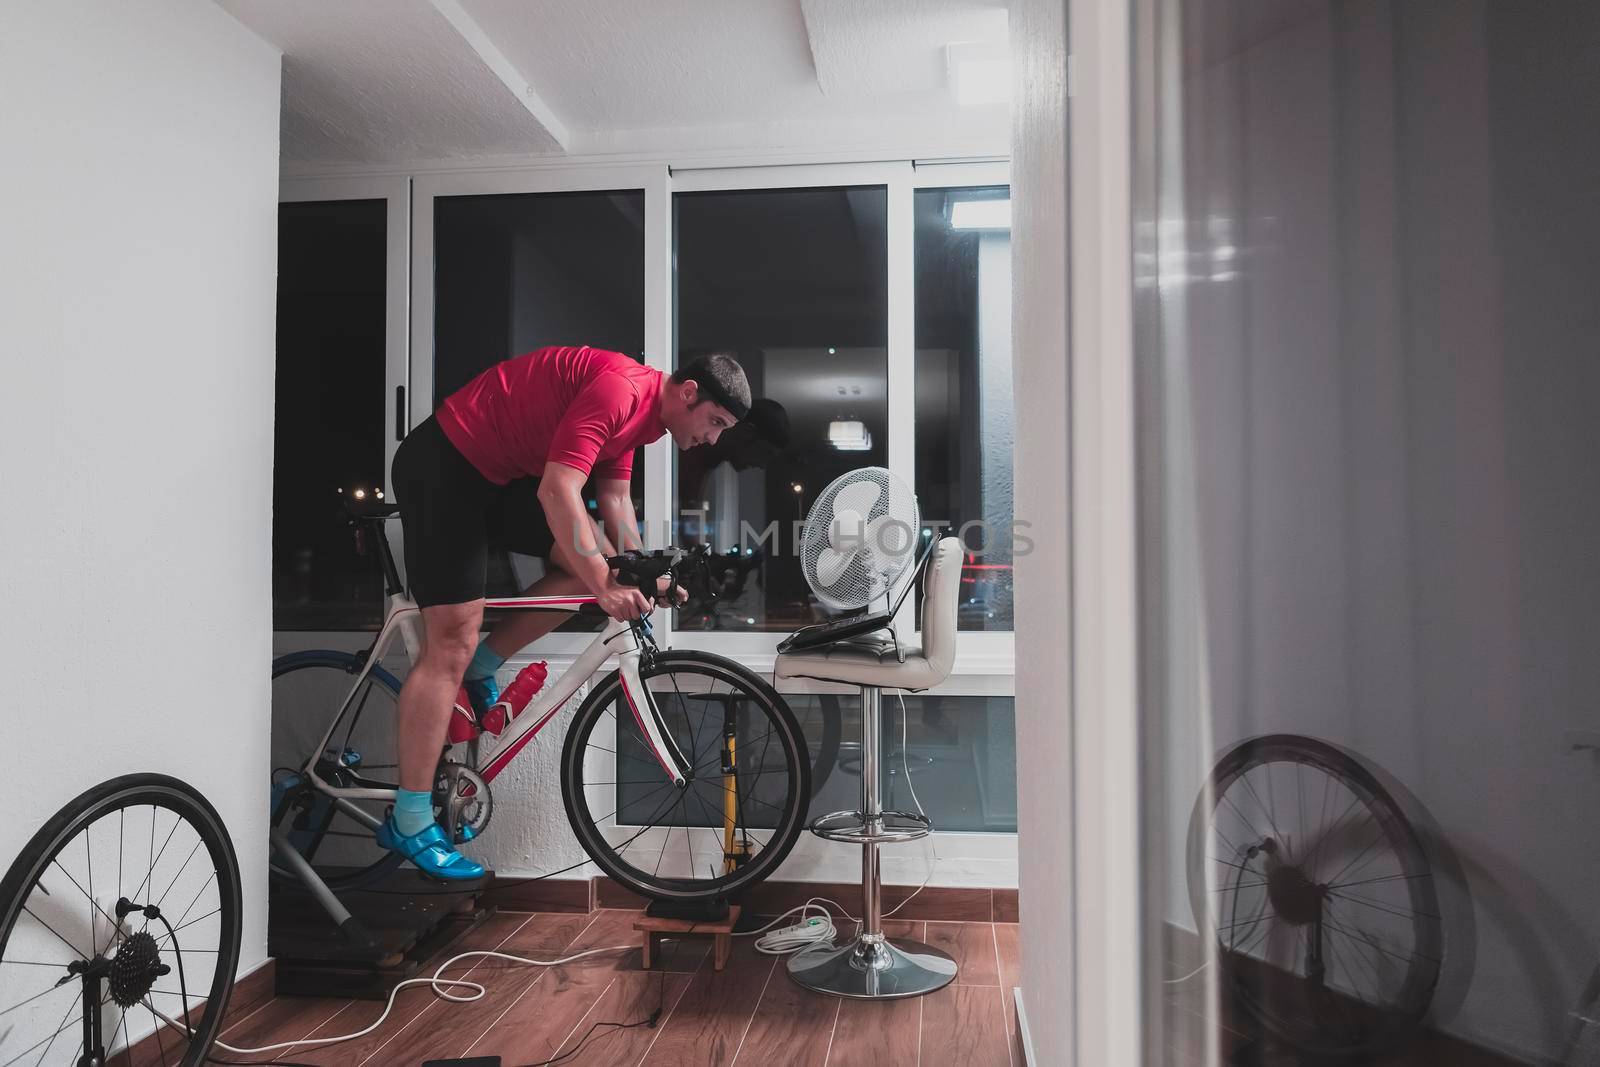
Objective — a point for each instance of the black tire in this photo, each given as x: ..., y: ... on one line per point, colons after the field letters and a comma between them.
x: 209, y: 960
x: 306, y: 815
x: 1383, y: 932
x: 793, y: 790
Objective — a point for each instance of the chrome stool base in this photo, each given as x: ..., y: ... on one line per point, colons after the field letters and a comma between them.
x: 873, y: 967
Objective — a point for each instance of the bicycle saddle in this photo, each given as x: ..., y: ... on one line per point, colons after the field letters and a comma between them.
x: 369, y: 509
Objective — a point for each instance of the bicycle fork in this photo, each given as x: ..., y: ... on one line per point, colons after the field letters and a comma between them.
x: 647, y: 715
x: 645, y: 712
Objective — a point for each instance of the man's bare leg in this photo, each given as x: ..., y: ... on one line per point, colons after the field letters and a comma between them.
x: 523, y: 628
x: 450, y: 633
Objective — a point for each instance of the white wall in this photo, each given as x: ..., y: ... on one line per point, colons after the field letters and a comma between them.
x: 137, y: 282
x: 1044, y: 675
x: 1381, y: 441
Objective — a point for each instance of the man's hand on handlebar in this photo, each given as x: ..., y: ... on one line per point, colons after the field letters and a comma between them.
x: 622, y: 602
x: 670, y: 595
x: 636, y: 573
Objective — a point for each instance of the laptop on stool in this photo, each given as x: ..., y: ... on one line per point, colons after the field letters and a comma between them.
x: 845, y: 627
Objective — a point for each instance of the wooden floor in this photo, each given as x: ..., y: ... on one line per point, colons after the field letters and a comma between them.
x: 750, y: 1013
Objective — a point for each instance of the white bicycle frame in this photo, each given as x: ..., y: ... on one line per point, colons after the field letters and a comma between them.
x: 618, y: 638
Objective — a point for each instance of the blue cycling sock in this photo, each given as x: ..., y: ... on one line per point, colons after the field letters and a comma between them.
x: 485, y: 661
x: 413, y: 811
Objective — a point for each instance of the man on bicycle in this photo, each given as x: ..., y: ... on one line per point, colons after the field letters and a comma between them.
x: 530, y: 431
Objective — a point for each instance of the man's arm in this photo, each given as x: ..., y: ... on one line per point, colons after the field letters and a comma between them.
x: 614, y: 499
x: 560, y: 495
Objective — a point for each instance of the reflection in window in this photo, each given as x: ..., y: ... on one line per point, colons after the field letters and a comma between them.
x: 965, y: 410
x: 792, y: 283
x: 513, y: 273
x: 331, y: 415
x: 961, y: 752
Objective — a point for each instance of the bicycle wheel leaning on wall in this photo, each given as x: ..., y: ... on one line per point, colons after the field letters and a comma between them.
x: 121, y: 916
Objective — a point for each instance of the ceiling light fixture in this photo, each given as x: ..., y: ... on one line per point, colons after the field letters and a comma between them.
x: 980, y: 215
x: 849, y: 435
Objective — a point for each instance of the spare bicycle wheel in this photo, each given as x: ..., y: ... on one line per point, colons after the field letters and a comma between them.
x: 1319, y: 895
x: 119, y: 926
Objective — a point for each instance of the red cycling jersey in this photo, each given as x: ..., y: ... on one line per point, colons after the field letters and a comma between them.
x: 582, y: 406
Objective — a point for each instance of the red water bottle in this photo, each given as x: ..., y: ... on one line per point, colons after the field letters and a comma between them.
x: 463, y: 726
x: 516, y: 697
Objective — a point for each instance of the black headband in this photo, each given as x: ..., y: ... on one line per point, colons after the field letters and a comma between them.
x: 714, y: 390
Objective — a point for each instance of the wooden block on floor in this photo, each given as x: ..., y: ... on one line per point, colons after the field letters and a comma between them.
x: 721, y: 930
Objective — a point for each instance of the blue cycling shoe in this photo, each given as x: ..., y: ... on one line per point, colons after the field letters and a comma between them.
x: 430, y: 851
x: 483, y: 692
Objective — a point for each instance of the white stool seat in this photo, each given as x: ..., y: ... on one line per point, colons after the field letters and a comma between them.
x: 872, y: 965
x: 864, y: 661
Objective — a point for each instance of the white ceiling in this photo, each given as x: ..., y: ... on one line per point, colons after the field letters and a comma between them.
x: 400, y: 81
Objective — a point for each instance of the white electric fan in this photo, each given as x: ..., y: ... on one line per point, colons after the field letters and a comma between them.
x: 860, y: 538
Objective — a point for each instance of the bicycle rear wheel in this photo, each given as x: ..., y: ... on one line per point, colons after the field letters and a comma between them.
x: 1319, y: 894
x: 69, y: 937
x: 307, y: 687
x: 662, y: 842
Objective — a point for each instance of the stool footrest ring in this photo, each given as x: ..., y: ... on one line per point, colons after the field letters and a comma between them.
x: 854, y: 828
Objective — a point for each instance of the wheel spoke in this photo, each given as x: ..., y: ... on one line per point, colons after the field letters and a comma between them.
x: 53, y: 930
x: 46, y: 992
x: 1380, y: 906
x: 163, y: 897
x: 88, y: 856
x: 62, y: 1025
x: 1370, y: 846
x: 160, y: 1025
x: 156, y: 858
x: 1330, y: 924
x: 1244, y: 779
x: 94, y: 905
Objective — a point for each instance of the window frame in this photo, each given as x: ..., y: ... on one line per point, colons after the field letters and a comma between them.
x: 978, y: 653
x: 985, y: 661
x: 396, y: 194
x: 651, y: 179
x: 974, y: 648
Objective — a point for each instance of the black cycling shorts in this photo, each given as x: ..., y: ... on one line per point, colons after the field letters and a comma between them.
x: 452, y: 514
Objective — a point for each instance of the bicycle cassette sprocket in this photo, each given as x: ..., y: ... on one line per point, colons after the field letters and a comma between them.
x: 464, y: 799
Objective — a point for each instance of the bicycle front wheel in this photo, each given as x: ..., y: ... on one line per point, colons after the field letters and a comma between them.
x: 745, y: 803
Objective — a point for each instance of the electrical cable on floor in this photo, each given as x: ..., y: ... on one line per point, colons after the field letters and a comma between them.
x: 812, y: 930
x: 1185, y: 978
x: 650, y: 1021
x: 435, y: 982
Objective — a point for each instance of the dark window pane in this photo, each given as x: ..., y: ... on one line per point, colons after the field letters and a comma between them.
x: 518, y: 272
x: 794, y: 284
x: 961, y: 752
x: 330, y: 417
x: 965, y: 411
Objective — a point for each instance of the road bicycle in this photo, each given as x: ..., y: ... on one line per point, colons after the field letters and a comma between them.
x: 684, y: 775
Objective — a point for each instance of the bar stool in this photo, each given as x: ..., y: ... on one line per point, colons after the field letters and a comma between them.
x: 872, y: 966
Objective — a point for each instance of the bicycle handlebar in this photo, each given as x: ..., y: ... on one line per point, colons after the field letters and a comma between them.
x: 642, y: 570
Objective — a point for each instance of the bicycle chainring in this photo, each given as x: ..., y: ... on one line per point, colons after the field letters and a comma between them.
x: 464, y: 800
